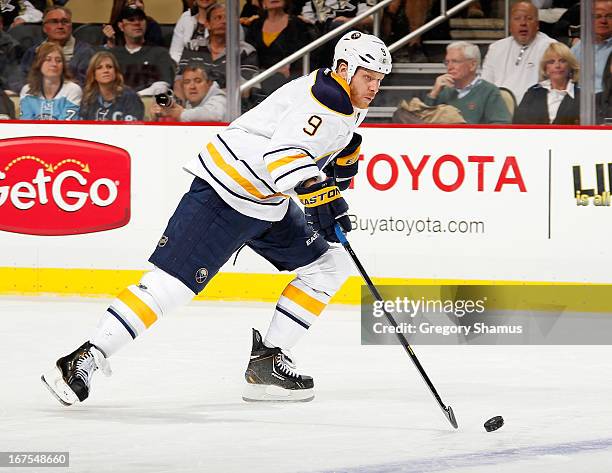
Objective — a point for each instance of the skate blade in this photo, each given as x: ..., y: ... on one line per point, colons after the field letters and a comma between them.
x: 56, y: 385
x: 269, y: 393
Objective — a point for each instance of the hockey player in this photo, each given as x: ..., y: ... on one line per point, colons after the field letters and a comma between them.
x: 300, y: 141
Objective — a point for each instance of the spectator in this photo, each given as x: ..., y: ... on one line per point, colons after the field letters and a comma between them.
x: 604, y: 98
x: 57, y: 25
x: 190, y: 29
x: 114, y: 37
x: 602, y: 26
x: 327, y: 15
x: 554, y: 15
x: 18, y: 12
x: 416, y: 12
x: 555, y: 99
x: 275, y: 35
x: 212, y: 51
x: 105, y: 96
x: 250, y: 12
x: 147, y: 69
x: 49, y: 93
x: 204, y: 100
x: 10, y: 52
x: 512, y: 62
x: 7, y: 109
x: 478, y: 101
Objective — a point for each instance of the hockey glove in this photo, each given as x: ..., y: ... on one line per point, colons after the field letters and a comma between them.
x: 324, y: 207
x: 345, y: 166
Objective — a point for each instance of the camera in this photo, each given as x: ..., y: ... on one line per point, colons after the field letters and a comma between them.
x: 166, y: 99
x: 574, y: 31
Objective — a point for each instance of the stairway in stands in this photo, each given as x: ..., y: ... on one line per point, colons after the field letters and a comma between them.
x: 415, y: 79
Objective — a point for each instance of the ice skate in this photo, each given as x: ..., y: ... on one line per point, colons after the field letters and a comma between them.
x: 271, y: 376
x: 70, y: 380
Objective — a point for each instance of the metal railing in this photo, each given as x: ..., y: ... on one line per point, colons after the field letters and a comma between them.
x: 305, y: 51
x: 441, y: 18
x: 587, y: 105
x: 233, y: 66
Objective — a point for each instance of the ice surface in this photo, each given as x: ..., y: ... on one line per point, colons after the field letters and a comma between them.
x: 174, y: 402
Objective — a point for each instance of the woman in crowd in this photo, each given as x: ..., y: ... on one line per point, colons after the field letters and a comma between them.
x: 191, y: 26
x: 604, y: 98
x: 49, y: 93
x: 275, y: 35
x: 105, y: 97
x: 114, y: 37
x: 556, y: 98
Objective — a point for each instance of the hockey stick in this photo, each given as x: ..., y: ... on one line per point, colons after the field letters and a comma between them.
x: 448, y: 410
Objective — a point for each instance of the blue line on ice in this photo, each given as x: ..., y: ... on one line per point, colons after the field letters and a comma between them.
x: 423, y: 465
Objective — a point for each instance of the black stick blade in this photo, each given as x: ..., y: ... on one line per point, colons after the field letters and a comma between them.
x: 450, y: 415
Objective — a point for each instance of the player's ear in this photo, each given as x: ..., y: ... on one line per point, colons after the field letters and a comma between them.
x: 342, y: 69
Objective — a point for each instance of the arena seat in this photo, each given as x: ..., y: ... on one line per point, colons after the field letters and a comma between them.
x: 27, y: 35
x: 148, y: 101
x: 509, y: 99
x: 167, y: 32
x: 90, y: 33
x: 15, y: 100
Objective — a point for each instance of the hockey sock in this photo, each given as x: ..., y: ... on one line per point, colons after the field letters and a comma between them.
x: 303, y: 300
x: 296, y: 310
x: 139, y: 307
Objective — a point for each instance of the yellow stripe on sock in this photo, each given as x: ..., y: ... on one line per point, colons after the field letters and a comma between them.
x: 304, y: 300
x: 142, y: 310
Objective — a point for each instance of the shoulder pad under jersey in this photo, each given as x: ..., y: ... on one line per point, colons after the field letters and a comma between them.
x: 331, y: 91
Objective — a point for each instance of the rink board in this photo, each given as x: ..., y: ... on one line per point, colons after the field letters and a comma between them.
x: 429, y: 204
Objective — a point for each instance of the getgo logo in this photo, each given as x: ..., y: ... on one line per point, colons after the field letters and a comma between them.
x: 62, y: 186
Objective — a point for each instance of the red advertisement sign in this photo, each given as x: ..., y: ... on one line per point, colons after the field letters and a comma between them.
x: 62, y: 186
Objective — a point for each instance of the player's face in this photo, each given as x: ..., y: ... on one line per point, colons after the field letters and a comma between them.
x: 105, y: 72
x: 53, y: 66
x: 524, y: 23
x: 364, y: 87
x: 195, y: 86
x: 57, y: 26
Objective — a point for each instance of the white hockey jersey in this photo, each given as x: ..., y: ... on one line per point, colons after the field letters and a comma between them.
x: 256, y: 162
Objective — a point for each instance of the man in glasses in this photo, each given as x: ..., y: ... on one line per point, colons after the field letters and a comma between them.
x: 602, y: 27
x: 513, y: 62
x: 57, y: 26
x: 462, y: 87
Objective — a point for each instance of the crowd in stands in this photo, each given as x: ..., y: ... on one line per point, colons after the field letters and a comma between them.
x: 532, y: 76
x: 539, y: 73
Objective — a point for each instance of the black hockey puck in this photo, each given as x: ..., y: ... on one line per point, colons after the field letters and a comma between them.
x: 494, y: 423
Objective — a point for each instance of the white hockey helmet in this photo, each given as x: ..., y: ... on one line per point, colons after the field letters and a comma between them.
x: 362, y: 50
